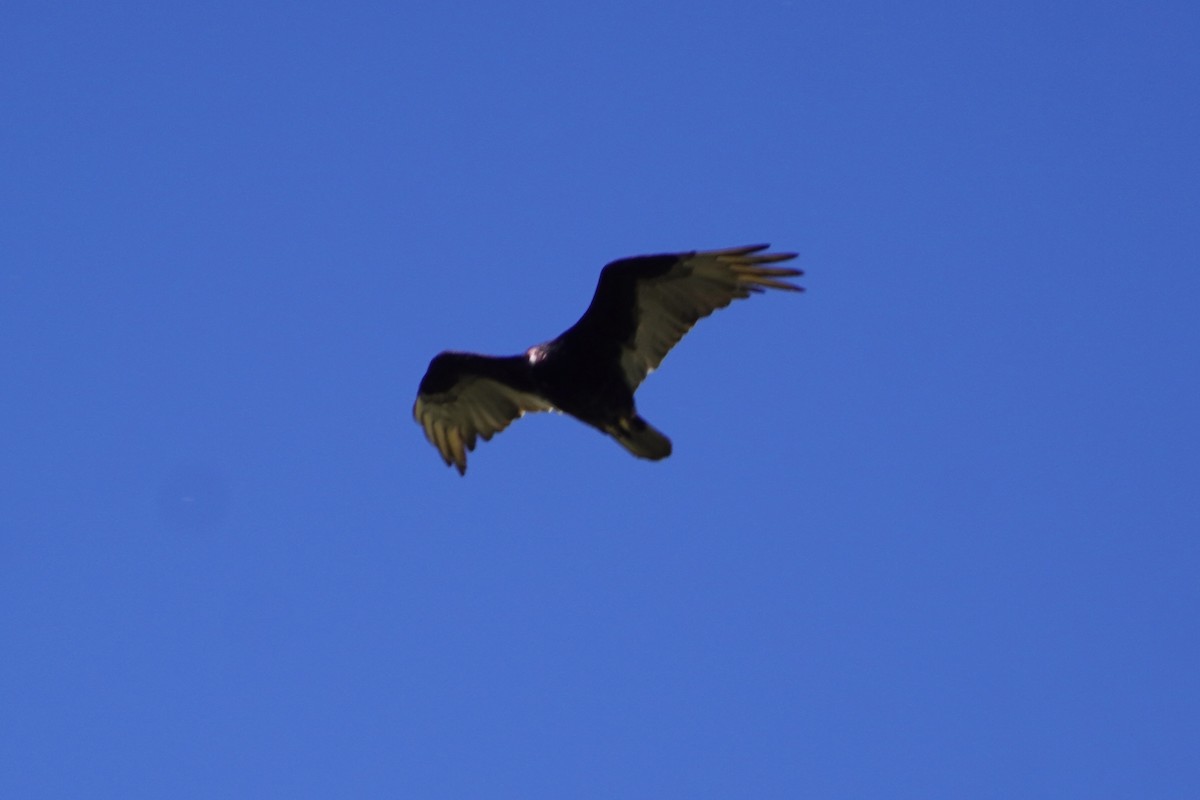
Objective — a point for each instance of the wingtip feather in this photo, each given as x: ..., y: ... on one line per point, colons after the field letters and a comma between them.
x: 771, y: 258
x: 758, y: 278
x: 735, y: 253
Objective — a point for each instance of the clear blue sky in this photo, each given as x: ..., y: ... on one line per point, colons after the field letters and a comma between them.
x: 930, y: 529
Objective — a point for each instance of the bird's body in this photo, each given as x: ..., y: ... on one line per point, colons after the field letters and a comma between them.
x: 641, y: 308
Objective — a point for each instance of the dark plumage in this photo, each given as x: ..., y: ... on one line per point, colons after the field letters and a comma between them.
x: 641, y: 308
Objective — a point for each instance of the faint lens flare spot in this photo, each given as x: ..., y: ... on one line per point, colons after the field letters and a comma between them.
x: 193, y: 497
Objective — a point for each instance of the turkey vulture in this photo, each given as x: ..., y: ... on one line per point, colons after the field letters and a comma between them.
x: 642, y: 307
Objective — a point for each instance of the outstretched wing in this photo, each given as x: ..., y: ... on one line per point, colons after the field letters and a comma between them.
x: 465, y: 396
x: 648, y: 303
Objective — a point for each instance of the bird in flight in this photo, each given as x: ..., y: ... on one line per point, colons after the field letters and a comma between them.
x: 642, y: 307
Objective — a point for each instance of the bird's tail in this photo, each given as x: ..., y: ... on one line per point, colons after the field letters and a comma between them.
x: 640, y: 438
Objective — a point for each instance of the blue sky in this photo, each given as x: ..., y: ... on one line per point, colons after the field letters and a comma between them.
x: 929, y: 530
